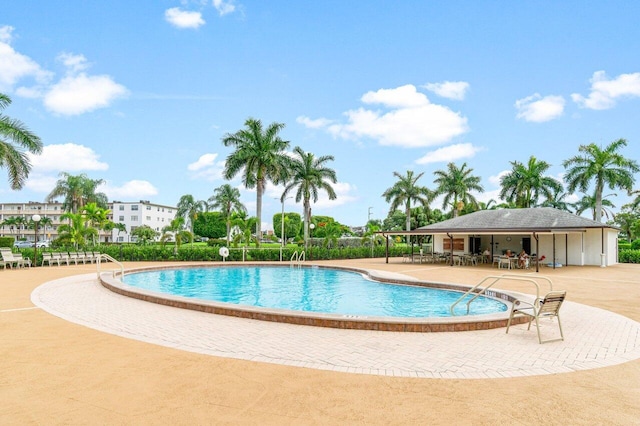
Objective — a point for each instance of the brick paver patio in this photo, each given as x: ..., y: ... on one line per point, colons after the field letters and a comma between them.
x: 593, y: 338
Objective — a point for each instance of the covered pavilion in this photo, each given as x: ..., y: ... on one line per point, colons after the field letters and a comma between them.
x: 561, y: 237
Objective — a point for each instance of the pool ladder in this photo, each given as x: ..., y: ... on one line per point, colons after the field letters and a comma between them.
x: 106, y: 257
x: 297, y: 258
x: 495, y: 279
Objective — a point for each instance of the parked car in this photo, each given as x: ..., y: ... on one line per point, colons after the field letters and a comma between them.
x: 43, y: 244
x: 23, y: 244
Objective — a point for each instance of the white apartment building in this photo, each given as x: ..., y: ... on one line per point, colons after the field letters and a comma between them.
x: 131, y: 214
x: 135, y: 214
x: 51, y: 211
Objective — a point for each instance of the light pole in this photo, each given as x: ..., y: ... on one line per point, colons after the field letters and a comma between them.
x: 36, y: 218
x: 311, y: 227
x: 282, y: 236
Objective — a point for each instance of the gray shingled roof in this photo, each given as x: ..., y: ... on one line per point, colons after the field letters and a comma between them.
x: 540, y: 219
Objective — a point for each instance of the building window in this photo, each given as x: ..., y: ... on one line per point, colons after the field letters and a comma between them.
x: 148, y: 218
x: 121, y: 207
x: 120, y: 218
x: 148, y: 207
x: 134, y: 218
x: 134, y: 207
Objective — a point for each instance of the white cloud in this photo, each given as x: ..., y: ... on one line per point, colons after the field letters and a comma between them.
x: 449, y: 153
x: 40, y: 183
x: 313, y: 124
x: 344, y: 192
x: 449, y: 89
x: 537, y: 109
x: 68, y: 157
x: 224, y: 7
x: 412, y: 121
x: 73, y: 63
x: 5, y: 34
x: 183, y: 19
x: 15, y: 66
x: 134, y: 189
x: 401, y: 97
x: 605, y: 91
x: 206, y: 167
x: 495, y: 179
x: 77, y: 94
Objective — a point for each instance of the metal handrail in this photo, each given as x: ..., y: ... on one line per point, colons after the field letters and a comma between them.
x: 296, y: 257
x: 497, y: 278
x: 109, y: 258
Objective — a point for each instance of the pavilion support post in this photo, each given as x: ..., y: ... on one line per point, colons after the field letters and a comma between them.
x: 566, y: 249
x: 386, y: 238
x: 554, y: 251
x: 537, y: 252
x: 451, y: 257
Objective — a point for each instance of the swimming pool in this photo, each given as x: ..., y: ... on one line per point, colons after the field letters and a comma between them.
x: 313, y: 290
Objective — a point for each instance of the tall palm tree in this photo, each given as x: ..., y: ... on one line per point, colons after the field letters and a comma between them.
x: 604, y: 166
x: 525, y: 183
x: 406, y: 191
x: 308, y: 176
x: 588, y: 202
x: 14, y: 139
x: 226, y: 198
x: 558, y: 201
x: 260, y: 156
x: 455, y: 184
x: 77, y: 192
x: 188, y: 208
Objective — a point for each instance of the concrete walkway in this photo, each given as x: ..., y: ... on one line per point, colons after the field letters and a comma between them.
x: 58, y: 372
x: 594, y: 338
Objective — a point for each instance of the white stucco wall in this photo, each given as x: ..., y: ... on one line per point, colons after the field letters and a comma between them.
x: 576, y: 248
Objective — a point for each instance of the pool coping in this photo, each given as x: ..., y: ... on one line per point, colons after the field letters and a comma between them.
x: 110, y: 281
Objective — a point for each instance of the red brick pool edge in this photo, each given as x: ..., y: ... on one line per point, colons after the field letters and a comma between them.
x: 422, y: 325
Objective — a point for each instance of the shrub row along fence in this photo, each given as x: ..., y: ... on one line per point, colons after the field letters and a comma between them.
x: 126, y: 252
x: 201, y: 253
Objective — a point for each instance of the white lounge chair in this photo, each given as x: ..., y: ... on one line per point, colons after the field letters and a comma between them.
x: 547, y: 307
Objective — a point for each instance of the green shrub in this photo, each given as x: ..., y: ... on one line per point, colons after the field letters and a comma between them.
x: 7, y: 241
x: 624, y: 246
x: 629, y: 256
x: 635, y: 244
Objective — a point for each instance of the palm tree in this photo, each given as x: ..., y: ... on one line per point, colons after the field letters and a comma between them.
x: 77, y: 192
x: 14, y: 139
x: 558, y: 202
x: 227, y: 199
x: 604, y: 166
x: 188, y: 208
x: 13, y: 223
x: 636, y: 201
x: 588, y: 202
x: 176, y: 230
x: 260, y: 156
x: 525, y: 183
x: 404, y: 192
x: 96, y: 217
x: 76, y: 231
x: 308, y: 176
x: 455, y: 184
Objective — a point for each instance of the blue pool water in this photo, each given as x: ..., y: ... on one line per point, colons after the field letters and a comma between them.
x: 317, y: 290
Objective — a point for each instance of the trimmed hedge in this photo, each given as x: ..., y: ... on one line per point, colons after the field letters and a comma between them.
x: 7, y: 241
x: 629, y: 256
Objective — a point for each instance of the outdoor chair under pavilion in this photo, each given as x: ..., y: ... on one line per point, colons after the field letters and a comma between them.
x: 546, y: 307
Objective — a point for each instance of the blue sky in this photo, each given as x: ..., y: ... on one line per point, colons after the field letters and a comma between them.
x: 140, y: 93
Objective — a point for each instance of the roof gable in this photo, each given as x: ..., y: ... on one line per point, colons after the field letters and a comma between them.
x: 539, y: 219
